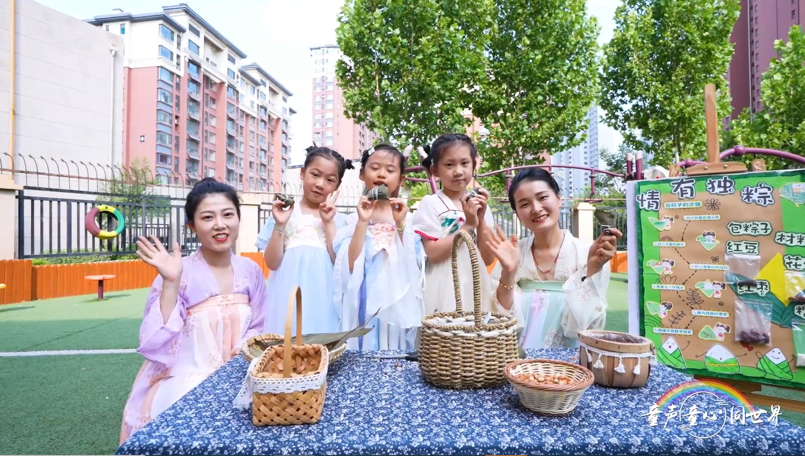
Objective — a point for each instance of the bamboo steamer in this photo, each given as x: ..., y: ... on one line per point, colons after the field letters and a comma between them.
x: 616, y: 359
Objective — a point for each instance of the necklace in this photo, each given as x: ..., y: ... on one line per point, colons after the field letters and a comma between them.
x: 554, y: 260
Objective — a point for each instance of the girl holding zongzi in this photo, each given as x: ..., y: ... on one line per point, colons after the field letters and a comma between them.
x: 453, y: 159
x: 376, y: 267
x: 298, y: 243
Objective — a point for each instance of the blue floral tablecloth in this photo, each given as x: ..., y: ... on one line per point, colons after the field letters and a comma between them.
x: 378, y: 406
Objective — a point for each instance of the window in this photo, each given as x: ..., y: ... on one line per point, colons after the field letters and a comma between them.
x: 210, y: 102
x: 193, y: 69
x: 122, y: 29
x: 163, y: 117
x: 329, y: 122
x: 263, y: 82
x: 165, y: 52
x: 195, y: 31
x: 329, y: 105
x: 209, y: 138
x: 230, y: 125
x: 164, y: 96
x: 193, y: 107
x: 793, y: 14
x: 210, y: 84
x: 230, y: 108
x: 757, y: 44
x: 231, y: 58
x: 166, y: 32
x: 262, y: 111
x: 176, y: 144
x: 178, y: 103
x: 318, y: 86
x: 251, y: 135
x: 263, y: 141
x: 192, y: 148
x: 251, y: 121
x: 192, y: 167
x: 284, y: 164
x: 284, y: 151
x: 329, y: 96
x: 251, y: 167
x: 285, y: 137
x: 263, y: 125
x: 328, y: 115
x: 165, y: 75
x: 316, y: 124
x: 231, y: 92
x: 284, y: 110
x: 107, y: 27
x: 164, y: 139
x: 317, y: 106
x: 317, y: 116
x: 230, y: 73
x: 163, y: 159
x: 193, y: 88
x: 252, y: 89
x: 209, y: 120
x: 328, y: 134
x: 192, y: 127
x: 329, y: 86
x: 263, y: 96
x: 210, y: 155
x: 193, y: 47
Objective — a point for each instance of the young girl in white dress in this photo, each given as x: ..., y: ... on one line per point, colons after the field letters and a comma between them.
x: 376, y: 266
x: 452, y: 158
x: 298, y: 246
x: 555, y: 284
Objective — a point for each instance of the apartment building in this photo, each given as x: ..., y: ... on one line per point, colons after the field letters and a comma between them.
x: 331, y: 127
x: 192, y: 108
x: 585, y: 154
x: 760, y: 24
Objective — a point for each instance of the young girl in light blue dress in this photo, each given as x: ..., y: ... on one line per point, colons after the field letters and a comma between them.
x: 298, y: 246
x: 377, y: 268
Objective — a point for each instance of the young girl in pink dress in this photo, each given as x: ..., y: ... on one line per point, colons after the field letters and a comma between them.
x: 200, y: 310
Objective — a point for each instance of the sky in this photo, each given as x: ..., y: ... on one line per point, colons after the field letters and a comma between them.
x: 278, y: 35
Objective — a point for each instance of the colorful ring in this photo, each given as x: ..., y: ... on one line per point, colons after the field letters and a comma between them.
x: 92, y: 226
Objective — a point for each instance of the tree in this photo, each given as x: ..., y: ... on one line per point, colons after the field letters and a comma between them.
x: 616, y: 163
x: 781, y: 123
x: 662, y: 54
x: 134, y: 187
x: 542, y: 79
x: 409, y: 65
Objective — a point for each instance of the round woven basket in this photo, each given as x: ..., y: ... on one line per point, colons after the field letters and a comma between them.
x: 548, y: 398
x: 335, y: 353
x: 460, y: 350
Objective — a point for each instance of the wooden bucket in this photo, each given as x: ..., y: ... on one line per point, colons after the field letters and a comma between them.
x: 616, y: 359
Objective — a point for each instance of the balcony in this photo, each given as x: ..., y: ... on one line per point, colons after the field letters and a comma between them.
x: 274, y: 110
x: 230, y: 164
x: 211, y: 68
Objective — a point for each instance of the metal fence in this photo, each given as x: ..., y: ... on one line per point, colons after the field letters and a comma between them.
x: 52, y: 223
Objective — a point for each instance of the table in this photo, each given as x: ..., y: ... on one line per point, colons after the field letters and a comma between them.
x: 100, y: 279
x: 384, y: 407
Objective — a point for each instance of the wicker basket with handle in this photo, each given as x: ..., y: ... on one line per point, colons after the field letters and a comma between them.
x: 289, y: 382
x: 460, y: 350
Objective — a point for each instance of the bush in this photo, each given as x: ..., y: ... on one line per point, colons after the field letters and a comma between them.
x: 82, y: 259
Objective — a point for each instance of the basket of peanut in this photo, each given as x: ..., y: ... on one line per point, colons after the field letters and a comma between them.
x: 548, y: 386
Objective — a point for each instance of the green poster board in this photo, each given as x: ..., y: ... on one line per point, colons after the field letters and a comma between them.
x: 721, y: 269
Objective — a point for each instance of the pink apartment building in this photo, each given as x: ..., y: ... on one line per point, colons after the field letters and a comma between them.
x: 760, y: 24
x: 192, y: 109
x: 331, y: 127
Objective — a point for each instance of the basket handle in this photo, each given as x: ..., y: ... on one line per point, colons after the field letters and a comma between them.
x: 296, y: 295
x: 463, y: 236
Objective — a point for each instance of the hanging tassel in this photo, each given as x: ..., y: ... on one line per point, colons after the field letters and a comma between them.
x: 620, y: 369
x: 636, y: 370
x: 589, y: 356
x: 652, y: 361
x: 598, y: 364
x: 244, y: 398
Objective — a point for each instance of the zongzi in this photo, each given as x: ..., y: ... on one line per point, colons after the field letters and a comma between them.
x: 286, y: 200
x: 381, y: 192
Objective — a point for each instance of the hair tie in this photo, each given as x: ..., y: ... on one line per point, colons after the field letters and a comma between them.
x: 422, y: 154
x: 407, y: 151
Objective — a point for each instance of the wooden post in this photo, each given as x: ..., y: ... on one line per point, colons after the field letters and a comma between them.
x: 714, y: 165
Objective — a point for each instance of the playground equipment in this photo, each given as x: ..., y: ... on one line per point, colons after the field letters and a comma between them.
x: 91, y: 224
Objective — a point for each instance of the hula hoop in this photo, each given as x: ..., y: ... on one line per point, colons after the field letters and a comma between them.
x: 92, y: 226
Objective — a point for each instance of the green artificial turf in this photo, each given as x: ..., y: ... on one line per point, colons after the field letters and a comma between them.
x: 74, y: 323
x: 64, y: 404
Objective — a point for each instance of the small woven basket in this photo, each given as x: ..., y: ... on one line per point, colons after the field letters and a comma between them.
x: 335, y: 353
x: 549, y: 398
x: 458, y: 350
x: 290, y: 381
x: 617, y: 360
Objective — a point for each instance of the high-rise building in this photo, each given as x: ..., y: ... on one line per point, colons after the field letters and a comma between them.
x: 191, y: 109
x: 331, y: 127
x: 585, y: 154
x: 759, y: 25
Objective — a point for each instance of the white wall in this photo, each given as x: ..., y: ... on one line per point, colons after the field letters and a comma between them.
x: 65, y: 94
x: 142, y: 41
